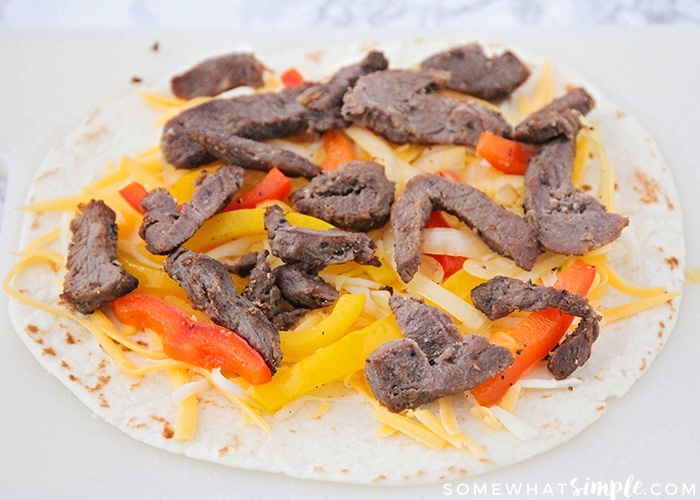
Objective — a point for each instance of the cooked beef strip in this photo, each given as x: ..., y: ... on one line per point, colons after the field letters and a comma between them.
x: 243, y: 266
x: 325, y: 101
x: 432, y: 361
x: 165, y: 227
x: 261, y: 289
x: 356, y: 196
x: 472, y: 72
x: 95, y: 276
x: 503, y: 231
x: 259, y: 117
x: 565, y: 219
x: 301, y: 287
x: 209, y: 287
x: 401, y: 106
x: 560, y: 117
x: 501, y: 295
x: 251, y: 154
x: 314, y: 247
x: 216, y: 75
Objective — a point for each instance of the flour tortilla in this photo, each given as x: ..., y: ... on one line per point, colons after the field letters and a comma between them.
x: 342, y: 444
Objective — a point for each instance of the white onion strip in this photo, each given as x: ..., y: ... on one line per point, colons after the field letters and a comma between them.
x: 453, y: 241
x: 189, y: 389
x: 516, y: 426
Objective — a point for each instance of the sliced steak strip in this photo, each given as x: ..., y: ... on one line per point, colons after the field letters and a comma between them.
x: 401, y: 106
x: 95, y: 277
x: 432, y: 361
x: 302, y: 287
x: 503, y: 231
x: 259, y: 117
x: 560, y: 117
x: 209, y: 287
x: 565, y: 219
x: 216, y: 75
x: 165, y: 227
x: 472, y: 72
x: 315, y: 248
x: 325, y: 101
x: 254, y: 155
x: 356, y: 196
x: 501, y: 296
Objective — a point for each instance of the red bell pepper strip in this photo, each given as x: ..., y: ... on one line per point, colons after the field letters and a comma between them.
x: 338, y: 149
x: 133, y: 193
x: 196, y: 342
x: 274, y: 186
x: 508, y: 156
x: 537, y: 335
x: 450, y: 263
x: 291, y: 78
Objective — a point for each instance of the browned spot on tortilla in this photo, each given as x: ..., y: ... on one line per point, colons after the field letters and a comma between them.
x: 73, y: 378
x: 223, y: 451
x: 672, y: 262
x: 545, y: 396
x: 158, y: 419
x: 586, y: 187
x: 103, y: 402
x: 644, y: 365
x: 379, y: 478
x: 48, y: 173
x: 65, y: 365
x: 155, y: 46
x: 134, y: 424
x: 49, y: 351
x: 69, y: 339
x: 344, y: 471
x: 168, y: 431
x: 315, y: 56
x: 31, y: 329
x: 102, y: 381
x: 600, y: 408
x: 650, y: 190
x: 620, y: 114
x: 319, y: 469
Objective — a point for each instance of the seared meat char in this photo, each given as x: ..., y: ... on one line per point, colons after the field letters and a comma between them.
x: 565, y: 219
x: 258, y: 117
x: 503, y: 231
x: 560, y: 117
x: 432, y: 361
x: 216, y: 75
x: 209, y: 288
x: 501, y: 296
x: 315, y: 248
x: 165, y: 226
x: 302, y: 287
x: 95, y: 277
x: 472, y: 72
x: 324, y: 101
x: 401, y: 106
x: 254, y: 155
x: 356, y: 196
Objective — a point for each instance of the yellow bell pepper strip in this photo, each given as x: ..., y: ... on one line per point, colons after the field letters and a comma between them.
x: 298, y: 345
x: 328, y: 364
x: 201, y: 344
x: 228, y: 226
x: 150, y: 278
x: 537, y: 335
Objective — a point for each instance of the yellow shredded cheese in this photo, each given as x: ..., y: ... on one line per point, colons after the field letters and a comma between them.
x: 628, y: 310
x: 186, y: 421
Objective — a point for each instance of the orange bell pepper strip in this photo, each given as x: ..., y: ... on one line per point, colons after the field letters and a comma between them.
x: 450, y: 263
x: 274, y: 186
x: 133, y: 193
x: 338, y: 149
x: 508, y: 156
x: 195, y: 342
x: 291, y: 78
x: 537, y: 335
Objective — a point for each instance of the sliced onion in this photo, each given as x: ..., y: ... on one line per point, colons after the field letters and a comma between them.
x: 452, y: 241
x: 516, y: 426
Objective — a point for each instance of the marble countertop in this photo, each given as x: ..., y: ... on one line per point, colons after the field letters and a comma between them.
x: 324, y: 15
